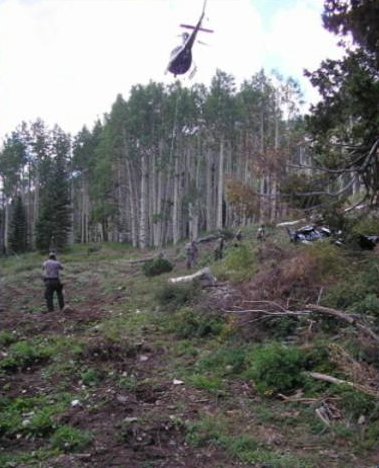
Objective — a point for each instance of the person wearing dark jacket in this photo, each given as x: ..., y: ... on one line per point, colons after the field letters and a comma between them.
x: 51, y: 270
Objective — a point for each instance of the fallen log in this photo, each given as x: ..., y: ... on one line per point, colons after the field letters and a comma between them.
x: 204, y: 276
x: 352, y: 320
x: 328, y: 378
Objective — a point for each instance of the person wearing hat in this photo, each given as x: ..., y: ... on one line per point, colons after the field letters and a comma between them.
x: 51, y: 269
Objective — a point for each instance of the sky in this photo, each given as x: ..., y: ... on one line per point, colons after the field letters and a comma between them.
x: 65, y: 61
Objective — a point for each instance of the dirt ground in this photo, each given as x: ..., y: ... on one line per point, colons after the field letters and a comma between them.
x: 142, y: 426
x: 131, y: 428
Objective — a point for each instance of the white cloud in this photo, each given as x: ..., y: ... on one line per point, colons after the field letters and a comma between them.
x: 66, y: 60
x: 297, y: 41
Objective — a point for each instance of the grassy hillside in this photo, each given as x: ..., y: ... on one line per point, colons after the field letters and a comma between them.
x: 140, y: 373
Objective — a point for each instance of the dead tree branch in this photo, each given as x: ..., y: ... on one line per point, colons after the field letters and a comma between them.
x: 265, y: 310
x: 328, y: 378
x: 352, y: 320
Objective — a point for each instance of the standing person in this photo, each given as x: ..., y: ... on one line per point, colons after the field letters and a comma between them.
x: 51, y: 269
x: 192, y: 254
x: 261, y: 233
x: 219, y: 250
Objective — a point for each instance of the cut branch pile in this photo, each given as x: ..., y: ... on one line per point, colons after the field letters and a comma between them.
x: 265, y: 310
x: 358, y: 372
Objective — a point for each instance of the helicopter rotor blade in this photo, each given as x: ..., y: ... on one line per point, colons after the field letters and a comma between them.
x: 189, y: 26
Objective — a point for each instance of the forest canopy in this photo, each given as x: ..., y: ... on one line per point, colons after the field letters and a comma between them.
x: 170, y: 162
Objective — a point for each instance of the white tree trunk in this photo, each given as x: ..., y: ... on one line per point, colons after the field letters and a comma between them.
x: 143, y: 228
x: 133, y: 208
x: 209, y: 192
x: 220, y: 186
x: 175, y: 208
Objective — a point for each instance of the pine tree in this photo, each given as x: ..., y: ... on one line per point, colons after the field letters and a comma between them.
x: 54, y: 222
x: 17, y: 238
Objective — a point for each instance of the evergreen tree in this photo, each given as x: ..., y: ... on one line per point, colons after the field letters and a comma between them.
x: 54, y: 222
x: 344, y: 125
x: 17, y: 237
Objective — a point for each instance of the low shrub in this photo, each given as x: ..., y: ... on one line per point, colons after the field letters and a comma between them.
x: 7, y: 338
x: 69, y: 439
x: 25, y: 353
x: 368, y: 305
x: 238, y: 265
x: 225, y: 361
x: 175, y: 296
x: 277, y: 369
x: 156, y: 267
x: 356, y: 291
x: 355, y: 403
x: 187, y: 323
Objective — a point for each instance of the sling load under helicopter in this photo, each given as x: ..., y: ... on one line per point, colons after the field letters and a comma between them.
x: 181, y: 57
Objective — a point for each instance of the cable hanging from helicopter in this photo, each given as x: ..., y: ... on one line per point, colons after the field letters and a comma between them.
x: 181, y: 57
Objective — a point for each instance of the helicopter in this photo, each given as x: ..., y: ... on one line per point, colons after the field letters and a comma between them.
x: 181, y: 57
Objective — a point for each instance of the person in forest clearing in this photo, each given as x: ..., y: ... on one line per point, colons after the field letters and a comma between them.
x: 219, y: 250
x: 192, y: 253
x: 51, y: 269
x: 261, y: 233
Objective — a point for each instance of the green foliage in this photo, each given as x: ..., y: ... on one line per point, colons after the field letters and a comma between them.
x: 209, y: 383
x: 355, y: 403
x: 348, y: 87
x: 238, y: 265
x: 299, y: 189
x: 91, y: 377
x: 357, y: 290
x: 328, y: 261
x: 204, y: 431
x: 32, y: 417
x: 242, y: 447
x: 277, y: 368
x: 42, y: 422
x: 7, y: 338
x: 368, y: 305
x: 157, y: 267
x: 54, y: 222
x: 25, y: 353
x: 370, y: 437
x: 175, y: 296
x: 70, y: 439
x: 18, y: 227
x: 282, y: 327
x: 227, y: 234
x: 225, y: 361
x: 128, y: 382
x: 186, y: 323
x: 364, y: 226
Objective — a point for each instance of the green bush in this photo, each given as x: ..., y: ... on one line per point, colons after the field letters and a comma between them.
x: 277, y: 368
x: 25, y: 353
x: 156, y: 267
x: 366, y: 226
x: 91, y: 377
x: 239, y: 264
x: 69, y: 439
x: 175, y: 296
x: 357, y: 291
x: 33, y: 417
x: 225, y: 361
x: 368, y: 305
x: 187, y: 324
x: 354, y: 402
x: 7, y: 338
